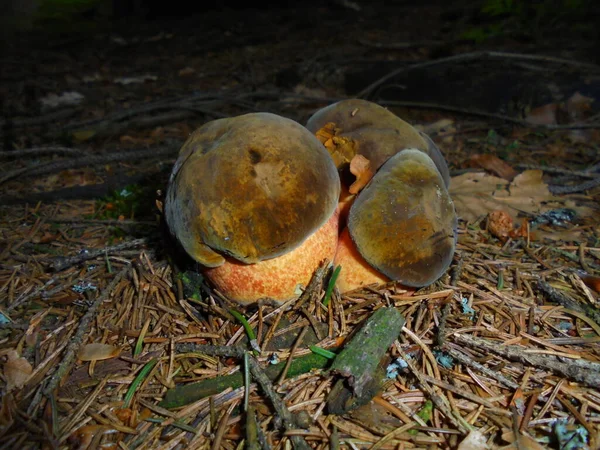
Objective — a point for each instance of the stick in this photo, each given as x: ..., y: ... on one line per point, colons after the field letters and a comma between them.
x: 583, y: 371
x: 92, y: 160
x: 488, y: 115
x: 61, y: 263
x: 39, y: 151
x: 474, y: 56
x: 559, y: 190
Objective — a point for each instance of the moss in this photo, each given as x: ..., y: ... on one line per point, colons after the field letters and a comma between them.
x: 128, y: 203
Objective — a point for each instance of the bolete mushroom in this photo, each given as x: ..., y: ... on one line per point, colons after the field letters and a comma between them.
x: 253, y: 199
x: 359, y: 127
x: 402, y: 226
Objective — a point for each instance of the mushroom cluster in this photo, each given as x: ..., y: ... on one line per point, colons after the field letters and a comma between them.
x: 400, y: 222
x: 259, y: 200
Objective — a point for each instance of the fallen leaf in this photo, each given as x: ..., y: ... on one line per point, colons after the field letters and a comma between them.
x: 82, y: 436
x: 125, y: 415
x: 543, y: 115
x: 16, y: 370
x: 500, y: 224
x: 375, y: 416
x: 475, y: 440
x: 83, y: 135
x: 360, y: 167
x: 494, y: 165
x: 591, y: 281
x: 96, y: 352
x: 69, y: 178
x: 440, y: 126
x: 477, y: 194
x: 520, y: 442
x: 578, y: 107
x: 186, y: 72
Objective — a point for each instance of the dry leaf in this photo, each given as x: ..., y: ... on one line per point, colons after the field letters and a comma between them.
x: 591, y: 281
x: 521, y: 442
x: 475, y: 440
x: 83, y: 135
x: 500, y: 224
x: 360, y: 167
x: 493, y: 164
x: 543, y: 115
x: 96, y: 352
x: 440, y: 126
x: 578, y: 107
x: 82, y: 437
x: 374, y: 416
x: 477, y: 194
x: 69, y: 178
x: 16, y: 370
x: 187, y: 71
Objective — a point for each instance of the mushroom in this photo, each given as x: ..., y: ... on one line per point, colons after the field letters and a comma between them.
x: 355, y: 126
x: 247, y: 197
x: 402, y: 226
x: 356, y: 271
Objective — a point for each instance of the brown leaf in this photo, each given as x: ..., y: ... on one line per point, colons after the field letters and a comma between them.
x: 360, y: 167
x: 69, y: 178
x: 440, y: 126
x: 578, y: 107
x: 96, y: 352
x: 493, y: 164
x: 591, y: 281
x: 477, y: 194
x: 186, y: 72
x: 520, y: 442
x: 82, y: 437
x: 475, y: 440
x: 500, y: 224
x: 16, y: 370
x: 543, y: 115
x: 83, y: 135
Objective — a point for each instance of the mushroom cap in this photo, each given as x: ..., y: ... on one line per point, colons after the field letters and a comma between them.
x: 362, y: 127
x: 251, y: 187
x: 277, y: 279
x: 403, y: 222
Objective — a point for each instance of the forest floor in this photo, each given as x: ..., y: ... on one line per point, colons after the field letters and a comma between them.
x: 100, y: 330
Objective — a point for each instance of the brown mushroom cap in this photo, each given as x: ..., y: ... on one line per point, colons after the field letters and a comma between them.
x: 403, y: 222
x: 251, y: 187
x: 361, y: 127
